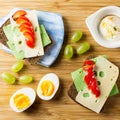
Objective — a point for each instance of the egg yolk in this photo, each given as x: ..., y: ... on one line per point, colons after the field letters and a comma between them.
x: 21, y: 101
x: 47, y: 88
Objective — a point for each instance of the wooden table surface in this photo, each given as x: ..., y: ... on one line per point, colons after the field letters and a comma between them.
x: 74, y: 13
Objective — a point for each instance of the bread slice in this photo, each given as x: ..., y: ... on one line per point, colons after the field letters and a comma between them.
x: 3, y: 40
x: 72, y: 91
x: 91, y: 101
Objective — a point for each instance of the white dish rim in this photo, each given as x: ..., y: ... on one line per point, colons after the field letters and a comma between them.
x: 93, y: 22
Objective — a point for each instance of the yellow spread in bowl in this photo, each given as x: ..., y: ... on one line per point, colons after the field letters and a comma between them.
x: 110, y: 28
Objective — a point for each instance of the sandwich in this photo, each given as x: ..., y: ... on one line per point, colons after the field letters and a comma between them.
x: 94, y: 82
x: 24, y: 36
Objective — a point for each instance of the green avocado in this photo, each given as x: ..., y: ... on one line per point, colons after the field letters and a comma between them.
x: 9, y: 31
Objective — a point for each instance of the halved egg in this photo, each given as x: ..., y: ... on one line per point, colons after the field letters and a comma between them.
x: 22, y: 99
x: 48, y: 86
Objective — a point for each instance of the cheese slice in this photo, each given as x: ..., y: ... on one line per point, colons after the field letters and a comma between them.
x: 19, y: 40
x: 107, y: 74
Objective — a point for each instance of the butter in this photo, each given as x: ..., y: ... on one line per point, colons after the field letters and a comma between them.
x: 110, y: 28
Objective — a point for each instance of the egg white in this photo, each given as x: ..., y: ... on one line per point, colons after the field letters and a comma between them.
x: 54, y: 79
x: 28, y: 92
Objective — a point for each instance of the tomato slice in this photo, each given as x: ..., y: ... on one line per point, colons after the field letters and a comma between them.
x: 29, y: 36
x: 30, y: 41
x: 88, y: 67
x: 22, y: 20
x: 19, y: 13
x: 27, y: 30
x: 97, y: 92
x: 89, y: 62
x: 90, y: 78
x: 26, y: 25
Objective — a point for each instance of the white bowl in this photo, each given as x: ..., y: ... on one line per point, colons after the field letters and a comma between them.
x: 93, y: 22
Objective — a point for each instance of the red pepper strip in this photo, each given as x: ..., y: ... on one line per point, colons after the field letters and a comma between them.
x: 88, y: 67
x: 19, y: 13
x: 89, y: 62
x: 90, y: 78
x: 25, y: 27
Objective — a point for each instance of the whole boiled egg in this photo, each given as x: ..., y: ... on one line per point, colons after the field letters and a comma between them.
x: 48, y: 86
x: 22, y: 99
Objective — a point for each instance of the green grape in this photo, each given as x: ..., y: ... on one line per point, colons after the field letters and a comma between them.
x: 68, y: 52
x: 76, y: 36
x: 84, y: 47
x: 17, y: 66
x: 9, y: 78
x: 26, y: 79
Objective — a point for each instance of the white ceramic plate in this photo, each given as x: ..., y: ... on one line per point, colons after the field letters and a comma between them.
x: 93, y: 22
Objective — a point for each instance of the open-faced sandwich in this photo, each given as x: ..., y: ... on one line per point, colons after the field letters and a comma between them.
x: 24, y: 36
x: 94, y: 83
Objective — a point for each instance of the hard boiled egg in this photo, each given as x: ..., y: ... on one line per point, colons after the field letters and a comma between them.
x: 22, y: 99
x: 48, y: 86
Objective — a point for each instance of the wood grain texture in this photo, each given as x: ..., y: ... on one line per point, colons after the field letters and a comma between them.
x: 74, y: 13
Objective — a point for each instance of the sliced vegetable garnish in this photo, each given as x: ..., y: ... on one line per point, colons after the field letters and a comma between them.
x: 90, y: 79
x: 79, y: 82
x: 25, y: 27
x: 29, y: 40
x: 22, y: 20
x: 44, y: 35
x: 18, y: 14
x: 114, y: 91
